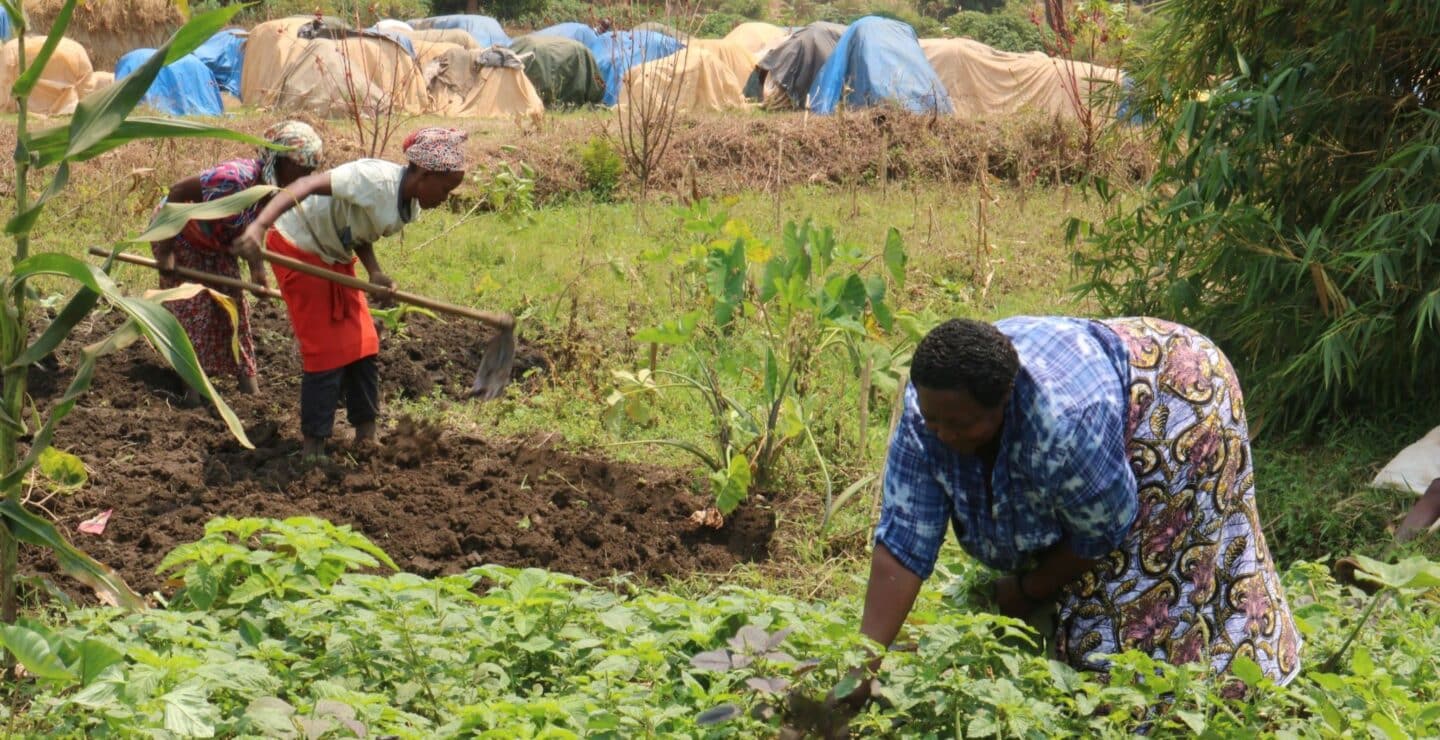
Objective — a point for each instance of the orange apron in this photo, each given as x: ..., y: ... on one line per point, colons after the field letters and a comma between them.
x: 331, y: 321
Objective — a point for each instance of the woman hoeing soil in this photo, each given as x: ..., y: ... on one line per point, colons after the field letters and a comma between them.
x: 332, y: 219
x: 1105, y: 467
x: 205, y: 246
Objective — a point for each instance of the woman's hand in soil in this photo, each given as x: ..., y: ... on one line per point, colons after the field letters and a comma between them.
x: 1010, y: 599
x: 248, y: 244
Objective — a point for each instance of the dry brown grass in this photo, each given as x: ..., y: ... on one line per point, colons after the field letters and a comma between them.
x: 727, y: 153
x: 109, y: 28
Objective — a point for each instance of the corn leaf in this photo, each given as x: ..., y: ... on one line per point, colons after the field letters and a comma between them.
x: 173, y: 216
x: 33, y: 530
x: 52, y: 144
x: 100, y: 115
x: 26, y: 82
x: 33, y: 651
x: 23, y: 222
x: 151, y: 319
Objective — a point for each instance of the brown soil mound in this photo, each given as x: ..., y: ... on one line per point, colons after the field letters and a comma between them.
x: 437, y: 502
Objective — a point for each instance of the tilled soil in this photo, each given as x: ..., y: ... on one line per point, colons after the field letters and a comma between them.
x: 437, y: 502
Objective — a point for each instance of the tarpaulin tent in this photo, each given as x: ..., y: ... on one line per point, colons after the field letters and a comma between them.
x: 692, y: 79
x: 983, y: 81
x: 488, y: 83
x: 788, y: 71
x: 390, y: 25
x: 756, y: 36
x: 879, y: 61
x: 617, y: 52
x: 184, y: 87
x: 665, y: 28
x: 573, y: 31
x: 485, y: 30
x: 67, y: 77
x: 323, y: 76
x: 443, y: 35
x: 224, y: 54
x: 732, y: 55
x: 563, y: 71
x: 4, y: 25
x: 399, y: 37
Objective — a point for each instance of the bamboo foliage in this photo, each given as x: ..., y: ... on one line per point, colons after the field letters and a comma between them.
x: 1295, y: 209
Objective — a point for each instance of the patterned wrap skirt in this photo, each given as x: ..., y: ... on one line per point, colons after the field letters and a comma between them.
x: 1194, y: 579
x: 223, y: 348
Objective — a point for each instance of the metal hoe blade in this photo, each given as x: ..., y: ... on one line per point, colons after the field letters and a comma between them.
x: 496, y: 365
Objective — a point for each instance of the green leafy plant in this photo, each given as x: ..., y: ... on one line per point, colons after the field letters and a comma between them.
x: 394, y: 319
x: 511, y: 193
x: 603, y: 167
x: 101, y: 123
x: 1294, y: 208
x: 784, y: 305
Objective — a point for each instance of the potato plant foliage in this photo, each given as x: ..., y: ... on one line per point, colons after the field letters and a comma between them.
x: 287, y: 629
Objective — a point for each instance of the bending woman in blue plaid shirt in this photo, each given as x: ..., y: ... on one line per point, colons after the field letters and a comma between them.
x: 1105, y: 467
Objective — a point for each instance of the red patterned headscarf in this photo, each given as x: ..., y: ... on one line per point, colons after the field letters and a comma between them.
x: 436, y: 149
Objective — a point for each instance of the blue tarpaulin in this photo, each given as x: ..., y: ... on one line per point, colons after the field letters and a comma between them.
x: 4, y: 25
x: 224, y: 54
x: 399, y: 38
x: 573, y: 31
x: 184, y: 88
x: 485, y: 30
x: 879, y: 60
x: 616, y: 53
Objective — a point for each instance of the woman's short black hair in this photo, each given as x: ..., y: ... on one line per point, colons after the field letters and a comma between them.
x: 968, y: 355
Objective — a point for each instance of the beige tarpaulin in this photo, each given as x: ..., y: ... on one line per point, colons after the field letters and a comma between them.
x: 734, y: 56
x: 983, y: 81
x: 1415, y: 466
x: 693, y: 78
x: 429, y: 51
x: 268, y: 49
x: 455, y: 36
x: 321, y: 76
x: 755, y: 37
x: 65, y: 79
x: 461, y: 87
x: 99, y: 81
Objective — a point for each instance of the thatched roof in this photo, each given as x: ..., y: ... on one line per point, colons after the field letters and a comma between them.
x: 105, y: 15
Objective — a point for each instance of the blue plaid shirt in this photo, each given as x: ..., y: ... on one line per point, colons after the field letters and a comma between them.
x: 1062, y: 471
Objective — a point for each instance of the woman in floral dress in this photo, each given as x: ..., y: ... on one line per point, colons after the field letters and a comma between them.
x: 205, y: 246
x: 1105, y: 467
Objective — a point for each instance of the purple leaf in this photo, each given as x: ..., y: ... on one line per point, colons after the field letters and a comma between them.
x: 750, y: 639
x: 714, y: 660
x: 805, y: 666
x: 779, y: 657
x: 716, y: 715
x: 740, y: 660
x: 778, y: 638
x: 767, y: 685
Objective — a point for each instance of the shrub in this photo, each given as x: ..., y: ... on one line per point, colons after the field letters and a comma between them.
x: 1002, y: 31
x: 602, y: 166
x: 1294, y: 212
x: 716, y: 25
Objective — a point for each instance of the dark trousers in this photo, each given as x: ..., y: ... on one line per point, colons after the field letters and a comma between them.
x: 320, y: 394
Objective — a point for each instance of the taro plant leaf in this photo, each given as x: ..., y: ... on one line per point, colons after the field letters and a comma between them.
x: 712, y: 660
x: 33, y: 651
x: 33, y: 530
x: 63, y: 469
x: 26, y: 82
x: 894, y: 256
x: 152, y: 320
x: 187, y: 711
x: 774, y: 685
x: 732, y: 485
x: 173, y: 216
x: 50, y: 145
x: 101, y: 114
x: 1411, y: 574
x: 717, y: 715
